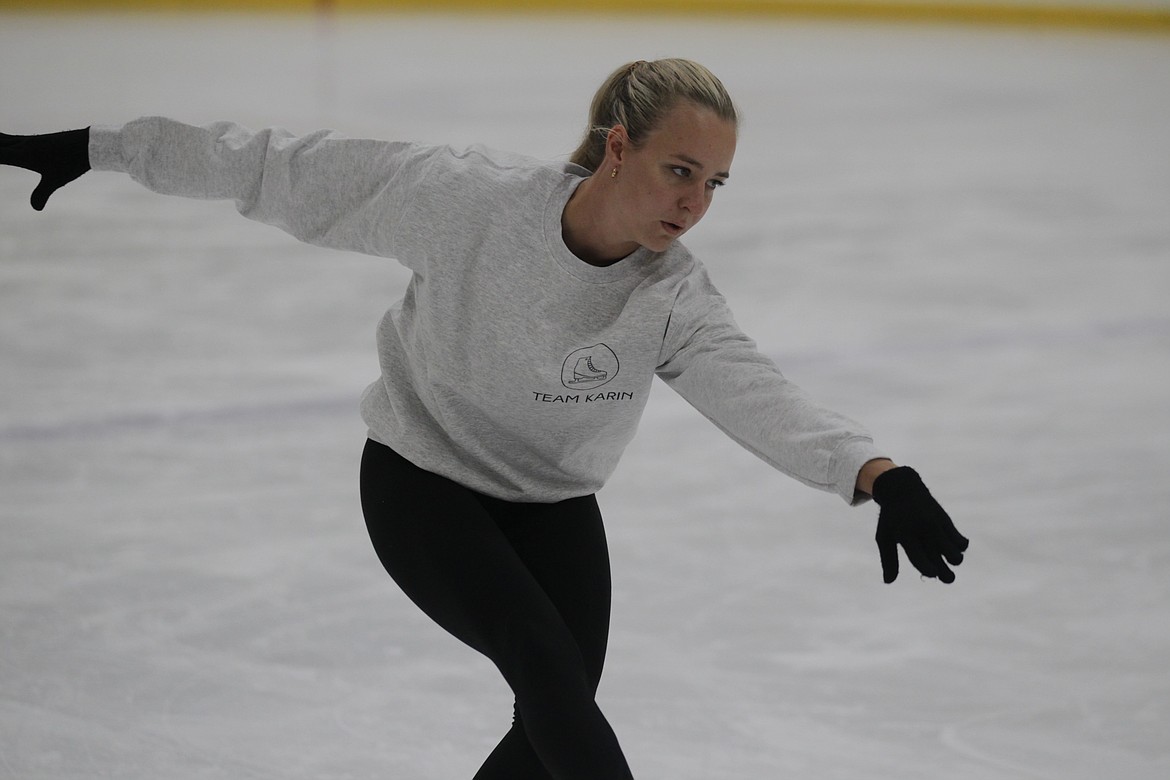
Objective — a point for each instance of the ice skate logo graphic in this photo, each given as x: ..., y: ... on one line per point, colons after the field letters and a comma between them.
x: 588, y: 368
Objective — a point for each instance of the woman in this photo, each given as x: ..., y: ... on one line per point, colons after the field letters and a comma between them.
x: 544, y: 300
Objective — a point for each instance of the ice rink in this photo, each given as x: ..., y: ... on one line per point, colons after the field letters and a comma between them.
x: 959, y: 236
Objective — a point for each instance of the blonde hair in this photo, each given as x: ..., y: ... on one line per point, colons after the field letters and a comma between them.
x: 637, y: 96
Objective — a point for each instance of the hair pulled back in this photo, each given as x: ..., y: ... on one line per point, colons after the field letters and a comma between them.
x: 637, y: 96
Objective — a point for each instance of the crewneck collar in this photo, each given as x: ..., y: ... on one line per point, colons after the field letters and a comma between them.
x: 639, y: 260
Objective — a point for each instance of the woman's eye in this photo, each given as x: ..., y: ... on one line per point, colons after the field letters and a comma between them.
x: 684, y: 172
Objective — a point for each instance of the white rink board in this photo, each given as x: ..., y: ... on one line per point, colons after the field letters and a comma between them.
x: 959, y: 237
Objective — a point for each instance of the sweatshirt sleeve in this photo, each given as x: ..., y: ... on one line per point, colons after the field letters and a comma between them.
x: 321, y: 188
x: 709, y: 361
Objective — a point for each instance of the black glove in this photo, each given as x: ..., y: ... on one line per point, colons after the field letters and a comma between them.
x: 911, y: 517
x: 58, y: 157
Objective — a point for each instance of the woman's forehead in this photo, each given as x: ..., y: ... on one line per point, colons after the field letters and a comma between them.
x: 696, y: 135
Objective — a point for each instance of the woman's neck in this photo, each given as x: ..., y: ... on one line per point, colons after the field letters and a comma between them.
x: 585, y: 223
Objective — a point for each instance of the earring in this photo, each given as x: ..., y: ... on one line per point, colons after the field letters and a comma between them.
x: 613, y: 174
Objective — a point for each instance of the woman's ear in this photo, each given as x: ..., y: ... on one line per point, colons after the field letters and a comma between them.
x: 616, y: 143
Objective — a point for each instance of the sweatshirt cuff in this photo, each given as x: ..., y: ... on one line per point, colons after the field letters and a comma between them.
x: 105, y: 149
x: 846, y: 464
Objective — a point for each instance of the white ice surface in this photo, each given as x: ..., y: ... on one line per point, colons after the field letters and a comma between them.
x: 960, y: 237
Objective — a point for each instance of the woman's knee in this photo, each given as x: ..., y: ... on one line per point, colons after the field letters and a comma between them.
x: 539, y: 657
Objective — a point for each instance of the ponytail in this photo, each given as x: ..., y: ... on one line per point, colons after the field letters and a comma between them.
x: 637, y: 96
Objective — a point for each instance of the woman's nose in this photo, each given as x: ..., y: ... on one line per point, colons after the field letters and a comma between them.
x: 695, y: 200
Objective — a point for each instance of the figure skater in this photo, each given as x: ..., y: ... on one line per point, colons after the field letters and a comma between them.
x: 544, y: 299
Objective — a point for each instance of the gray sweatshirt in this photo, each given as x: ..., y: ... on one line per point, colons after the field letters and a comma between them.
x: 510, y: 365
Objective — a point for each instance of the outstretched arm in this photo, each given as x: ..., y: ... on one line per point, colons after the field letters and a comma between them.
x: 58, y: 157
x: 720, y: 371
x: 322, y: 188
x: 325, y: 189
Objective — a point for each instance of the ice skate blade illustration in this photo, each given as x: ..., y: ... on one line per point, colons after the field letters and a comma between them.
x: 584, y: 371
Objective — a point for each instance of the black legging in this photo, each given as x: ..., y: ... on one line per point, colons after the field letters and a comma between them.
x: 527, y: 585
